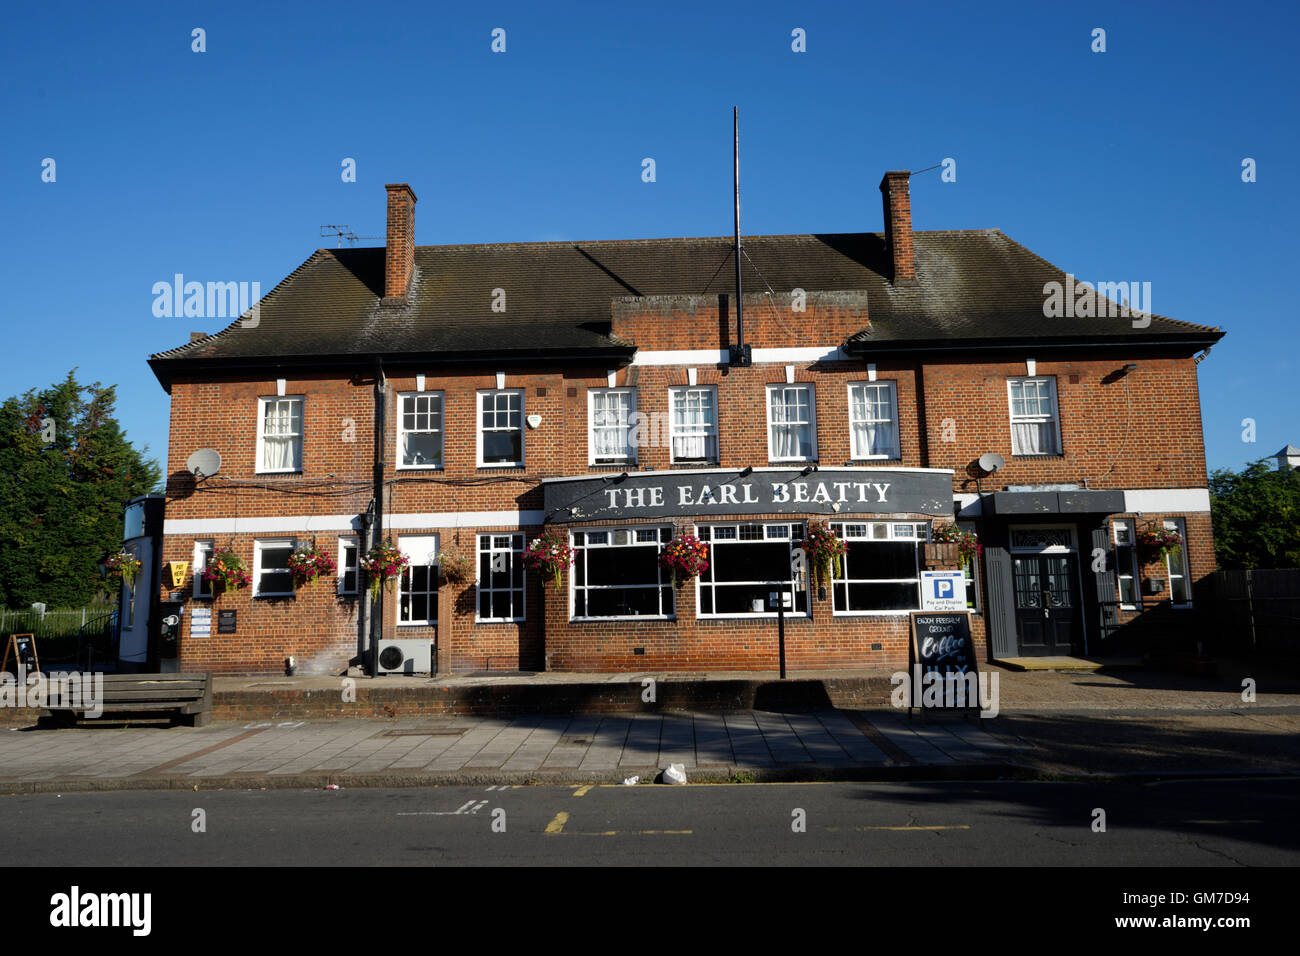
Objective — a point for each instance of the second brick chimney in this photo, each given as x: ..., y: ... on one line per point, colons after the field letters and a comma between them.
x: 399, y: 254
x: 898, y: 224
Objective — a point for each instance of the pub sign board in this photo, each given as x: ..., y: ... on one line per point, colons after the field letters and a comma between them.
x: 834, y: 492
x: 941, y: 644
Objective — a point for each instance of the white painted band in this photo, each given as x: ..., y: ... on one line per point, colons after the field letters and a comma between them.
x: 816, y: 353
x: 351, y: 523
x: 1180, y: 500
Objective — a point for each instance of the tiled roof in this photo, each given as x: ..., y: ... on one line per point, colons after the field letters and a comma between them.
x: 975, y: 286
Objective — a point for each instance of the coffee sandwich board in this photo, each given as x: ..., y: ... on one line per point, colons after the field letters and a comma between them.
x: 941, y: 644
x: 22, y: 647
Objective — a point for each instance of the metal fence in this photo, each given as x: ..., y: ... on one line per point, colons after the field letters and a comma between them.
x: 1253, y: 611
x: 57, y: 623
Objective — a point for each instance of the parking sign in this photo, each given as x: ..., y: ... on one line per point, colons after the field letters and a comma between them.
x: 943, y: 591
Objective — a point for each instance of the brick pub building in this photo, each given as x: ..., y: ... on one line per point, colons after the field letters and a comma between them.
x: 458, y: 399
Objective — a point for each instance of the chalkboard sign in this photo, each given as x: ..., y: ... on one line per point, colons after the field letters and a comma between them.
x: 226, y: 621
x: 941, y: 644
x: 22, y: 648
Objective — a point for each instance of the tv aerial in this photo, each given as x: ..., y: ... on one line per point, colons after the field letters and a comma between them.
x: 343, y: 231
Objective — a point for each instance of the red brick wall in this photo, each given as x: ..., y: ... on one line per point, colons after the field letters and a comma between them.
x: 709, y: 321
x: 1137, y: 431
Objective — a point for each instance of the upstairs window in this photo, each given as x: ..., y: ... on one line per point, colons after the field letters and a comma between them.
x: 694, y: 424
x: 791, y: 423
x: 419, y: 430
x: 501, y: 428
x: 610, y: 435
x: 1035, y: 429
x: 279, y: 434
x: 873, y: 420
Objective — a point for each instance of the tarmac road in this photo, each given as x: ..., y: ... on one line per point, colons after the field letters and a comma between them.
x: 1200, y: 822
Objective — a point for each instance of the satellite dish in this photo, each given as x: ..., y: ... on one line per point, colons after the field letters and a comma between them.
x: 204, y: 463
x: 991, y: 461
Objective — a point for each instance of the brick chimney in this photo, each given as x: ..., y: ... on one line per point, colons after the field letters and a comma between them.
x: 898, y: 224
x: 399, y: 254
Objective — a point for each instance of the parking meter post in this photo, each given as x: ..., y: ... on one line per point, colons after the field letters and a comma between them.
x: 780, y: 631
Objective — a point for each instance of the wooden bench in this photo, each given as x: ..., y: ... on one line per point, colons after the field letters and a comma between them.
x: 189, y: 695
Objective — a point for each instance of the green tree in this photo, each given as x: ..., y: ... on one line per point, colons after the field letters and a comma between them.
x: 1256, y: 514
x: 66, y: 473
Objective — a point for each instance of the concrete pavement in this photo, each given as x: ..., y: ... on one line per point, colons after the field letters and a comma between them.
x: 471, y: 749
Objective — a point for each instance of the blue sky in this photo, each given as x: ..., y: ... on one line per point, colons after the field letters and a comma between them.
x: 222, y: 165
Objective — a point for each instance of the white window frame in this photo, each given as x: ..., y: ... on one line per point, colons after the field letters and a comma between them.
x: 895, y: 451
x: 1054, y: 418
x: 414, y: 546
x: 664, y: 580
x: 709, y: 431
x: 884, y: 531
x: 352, y: 541
x: 479, y: 400
x: 1126, y: 553
x: 262, y: 403
x: 1179, y: 525
x: 515, y: 552
x: 271, y: 544
x: 631, y: 457
x: 811, y: 423
x: 795, y: 579
x: 204, y: 549
x: 402, y: 432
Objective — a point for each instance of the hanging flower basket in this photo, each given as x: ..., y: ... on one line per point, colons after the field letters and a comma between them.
x: 825, y: 550
x: 455, y: 568
x: 123, y: 565
x: 1156, y: 542
x: 307, y: 564
x: 383, y: 564
x: 968, y: 544
x: 226, y: 570
x: 550, y: 555
x: 686, y: 556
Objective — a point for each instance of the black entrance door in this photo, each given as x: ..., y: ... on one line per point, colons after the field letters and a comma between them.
x: 1047, y: 604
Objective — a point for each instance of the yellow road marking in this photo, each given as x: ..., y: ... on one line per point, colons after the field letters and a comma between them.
x: 557, y: 825
x: 582, y: 791
x: 637, y: 833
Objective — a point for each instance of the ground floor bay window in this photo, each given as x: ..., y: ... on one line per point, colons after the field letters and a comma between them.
x: 880, y: 571
x: 747, y: 562
x: 616, y: 574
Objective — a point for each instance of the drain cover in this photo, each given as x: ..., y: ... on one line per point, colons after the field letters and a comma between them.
x: 423, y: 732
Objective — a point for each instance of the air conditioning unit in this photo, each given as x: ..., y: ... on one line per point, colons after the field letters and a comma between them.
x: 405, y: 656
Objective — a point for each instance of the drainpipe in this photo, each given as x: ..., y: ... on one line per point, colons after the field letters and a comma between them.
x: 377, y: 529
x: 364, y: 543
